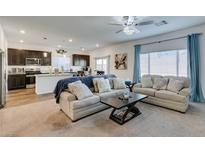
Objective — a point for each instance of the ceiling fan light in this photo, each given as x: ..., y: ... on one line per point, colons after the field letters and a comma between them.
x: 130, y: 33
x: 137, y: 31
x: 129, y: 30
x: 126, y: 29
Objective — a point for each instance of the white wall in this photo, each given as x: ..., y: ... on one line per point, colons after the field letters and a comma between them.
x: 128, y: 47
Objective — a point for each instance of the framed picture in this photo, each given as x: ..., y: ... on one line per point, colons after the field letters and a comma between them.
x: 121, y: 61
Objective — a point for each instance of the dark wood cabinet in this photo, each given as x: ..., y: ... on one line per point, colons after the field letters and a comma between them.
x: 81, y: 60
x: 46, y: 59
x: 16, y: 81
x: 34, y: 54
x: 18, y: 57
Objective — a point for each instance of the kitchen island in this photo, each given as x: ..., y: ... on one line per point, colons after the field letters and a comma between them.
x: 45, y: 83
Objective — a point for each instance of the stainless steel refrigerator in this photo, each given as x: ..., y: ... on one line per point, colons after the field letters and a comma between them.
x: 2, y: 79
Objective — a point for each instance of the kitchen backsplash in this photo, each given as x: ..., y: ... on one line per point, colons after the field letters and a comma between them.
x: 43, y: 69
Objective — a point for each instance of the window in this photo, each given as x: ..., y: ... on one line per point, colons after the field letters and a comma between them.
x: 59, y: 62
x: 183, y: 63
x: 172, y: 62
x: 144, y: 59
x: 102, y: 64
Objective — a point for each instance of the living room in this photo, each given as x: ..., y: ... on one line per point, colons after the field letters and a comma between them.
x: 164, y: 55
x: 102, y: 76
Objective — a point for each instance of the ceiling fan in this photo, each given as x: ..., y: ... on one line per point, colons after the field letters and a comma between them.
x: 130, y: 24
x: 61, y: 51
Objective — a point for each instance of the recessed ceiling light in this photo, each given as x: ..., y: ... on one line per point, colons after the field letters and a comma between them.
x: 83, y: 49
x: 22, y: 31
x: 97, y: 45
x: 21, y: 41
x: 70, y: 40
x: 59, y: 46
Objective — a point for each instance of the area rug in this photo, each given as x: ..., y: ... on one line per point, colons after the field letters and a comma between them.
x: 46, y: 119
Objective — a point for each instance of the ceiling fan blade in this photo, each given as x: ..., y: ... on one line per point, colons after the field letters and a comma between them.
x: 119, y: 31
x: 115, y: 24
x: 145, y: 23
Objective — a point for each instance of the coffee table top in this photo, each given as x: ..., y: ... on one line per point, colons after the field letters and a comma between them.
x: 117, y: 103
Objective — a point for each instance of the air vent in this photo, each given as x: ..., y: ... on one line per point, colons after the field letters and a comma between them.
x: 161, y: 23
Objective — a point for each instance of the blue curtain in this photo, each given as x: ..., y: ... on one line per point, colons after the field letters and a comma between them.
x: 137, y: 71
x: 196, y: 94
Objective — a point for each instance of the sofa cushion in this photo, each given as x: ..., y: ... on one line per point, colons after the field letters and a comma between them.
x: 184, y: 79
x: 160, y: 83
x: 111, y: 82
x: 106, y: 94
x: 146, y: 91
x: 112, y: 93
x: 67, y: 96
x: 70, y: 85
x: 168, y: 95
x: 120, y: 91
x: 175, y: 85
x: 85, y: 102
x: 103, y: 85
x: 95, y: 83
x: 184, y: 92
x: 147, y: 82
x: 152, y: 76
x: 119, y: 83
x: 81, y: 91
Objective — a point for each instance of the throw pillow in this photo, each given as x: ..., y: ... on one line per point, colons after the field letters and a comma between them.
x: 175, y: 85
x: 73, y: 83
x: 103, y: 85
x: 147, y: 82
x: 81, y: 91
x: 111, y: 82
x: 95, y: 83
x: 160, y: 83
x: 119, y: 84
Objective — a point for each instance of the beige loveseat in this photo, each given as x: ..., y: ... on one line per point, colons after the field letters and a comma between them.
x: 165, y: 98
x: 77, y: 109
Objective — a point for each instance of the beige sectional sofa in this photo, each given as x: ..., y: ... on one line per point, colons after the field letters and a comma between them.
x: 165, y: 98
x: 77, y: 109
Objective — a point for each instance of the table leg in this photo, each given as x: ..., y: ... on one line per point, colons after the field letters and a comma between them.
x: 135, y: 111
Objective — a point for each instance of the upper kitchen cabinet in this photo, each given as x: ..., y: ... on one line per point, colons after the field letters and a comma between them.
x: 46, y: 59
x: 81, y: 60
x: 44, y: 56
x: 16, y: 57
x: 34, y: 54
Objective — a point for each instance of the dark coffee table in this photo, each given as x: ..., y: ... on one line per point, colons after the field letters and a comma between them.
x: 124, y: 109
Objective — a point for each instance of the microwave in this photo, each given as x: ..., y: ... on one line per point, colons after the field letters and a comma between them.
x: 33, y: 61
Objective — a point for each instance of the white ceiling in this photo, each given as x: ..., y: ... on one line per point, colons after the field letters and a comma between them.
x: 85, y: 31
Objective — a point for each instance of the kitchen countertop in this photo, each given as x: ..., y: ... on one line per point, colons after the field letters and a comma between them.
x: 59, y: 74
x: 17, y: 74
x: 45, y: 74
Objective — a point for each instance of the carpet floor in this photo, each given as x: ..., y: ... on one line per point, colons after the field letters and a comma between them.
x: 45, y: 119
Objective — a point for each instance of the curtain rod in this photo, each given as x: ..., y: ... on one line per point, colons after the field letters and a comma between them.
x: 167, y: 40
